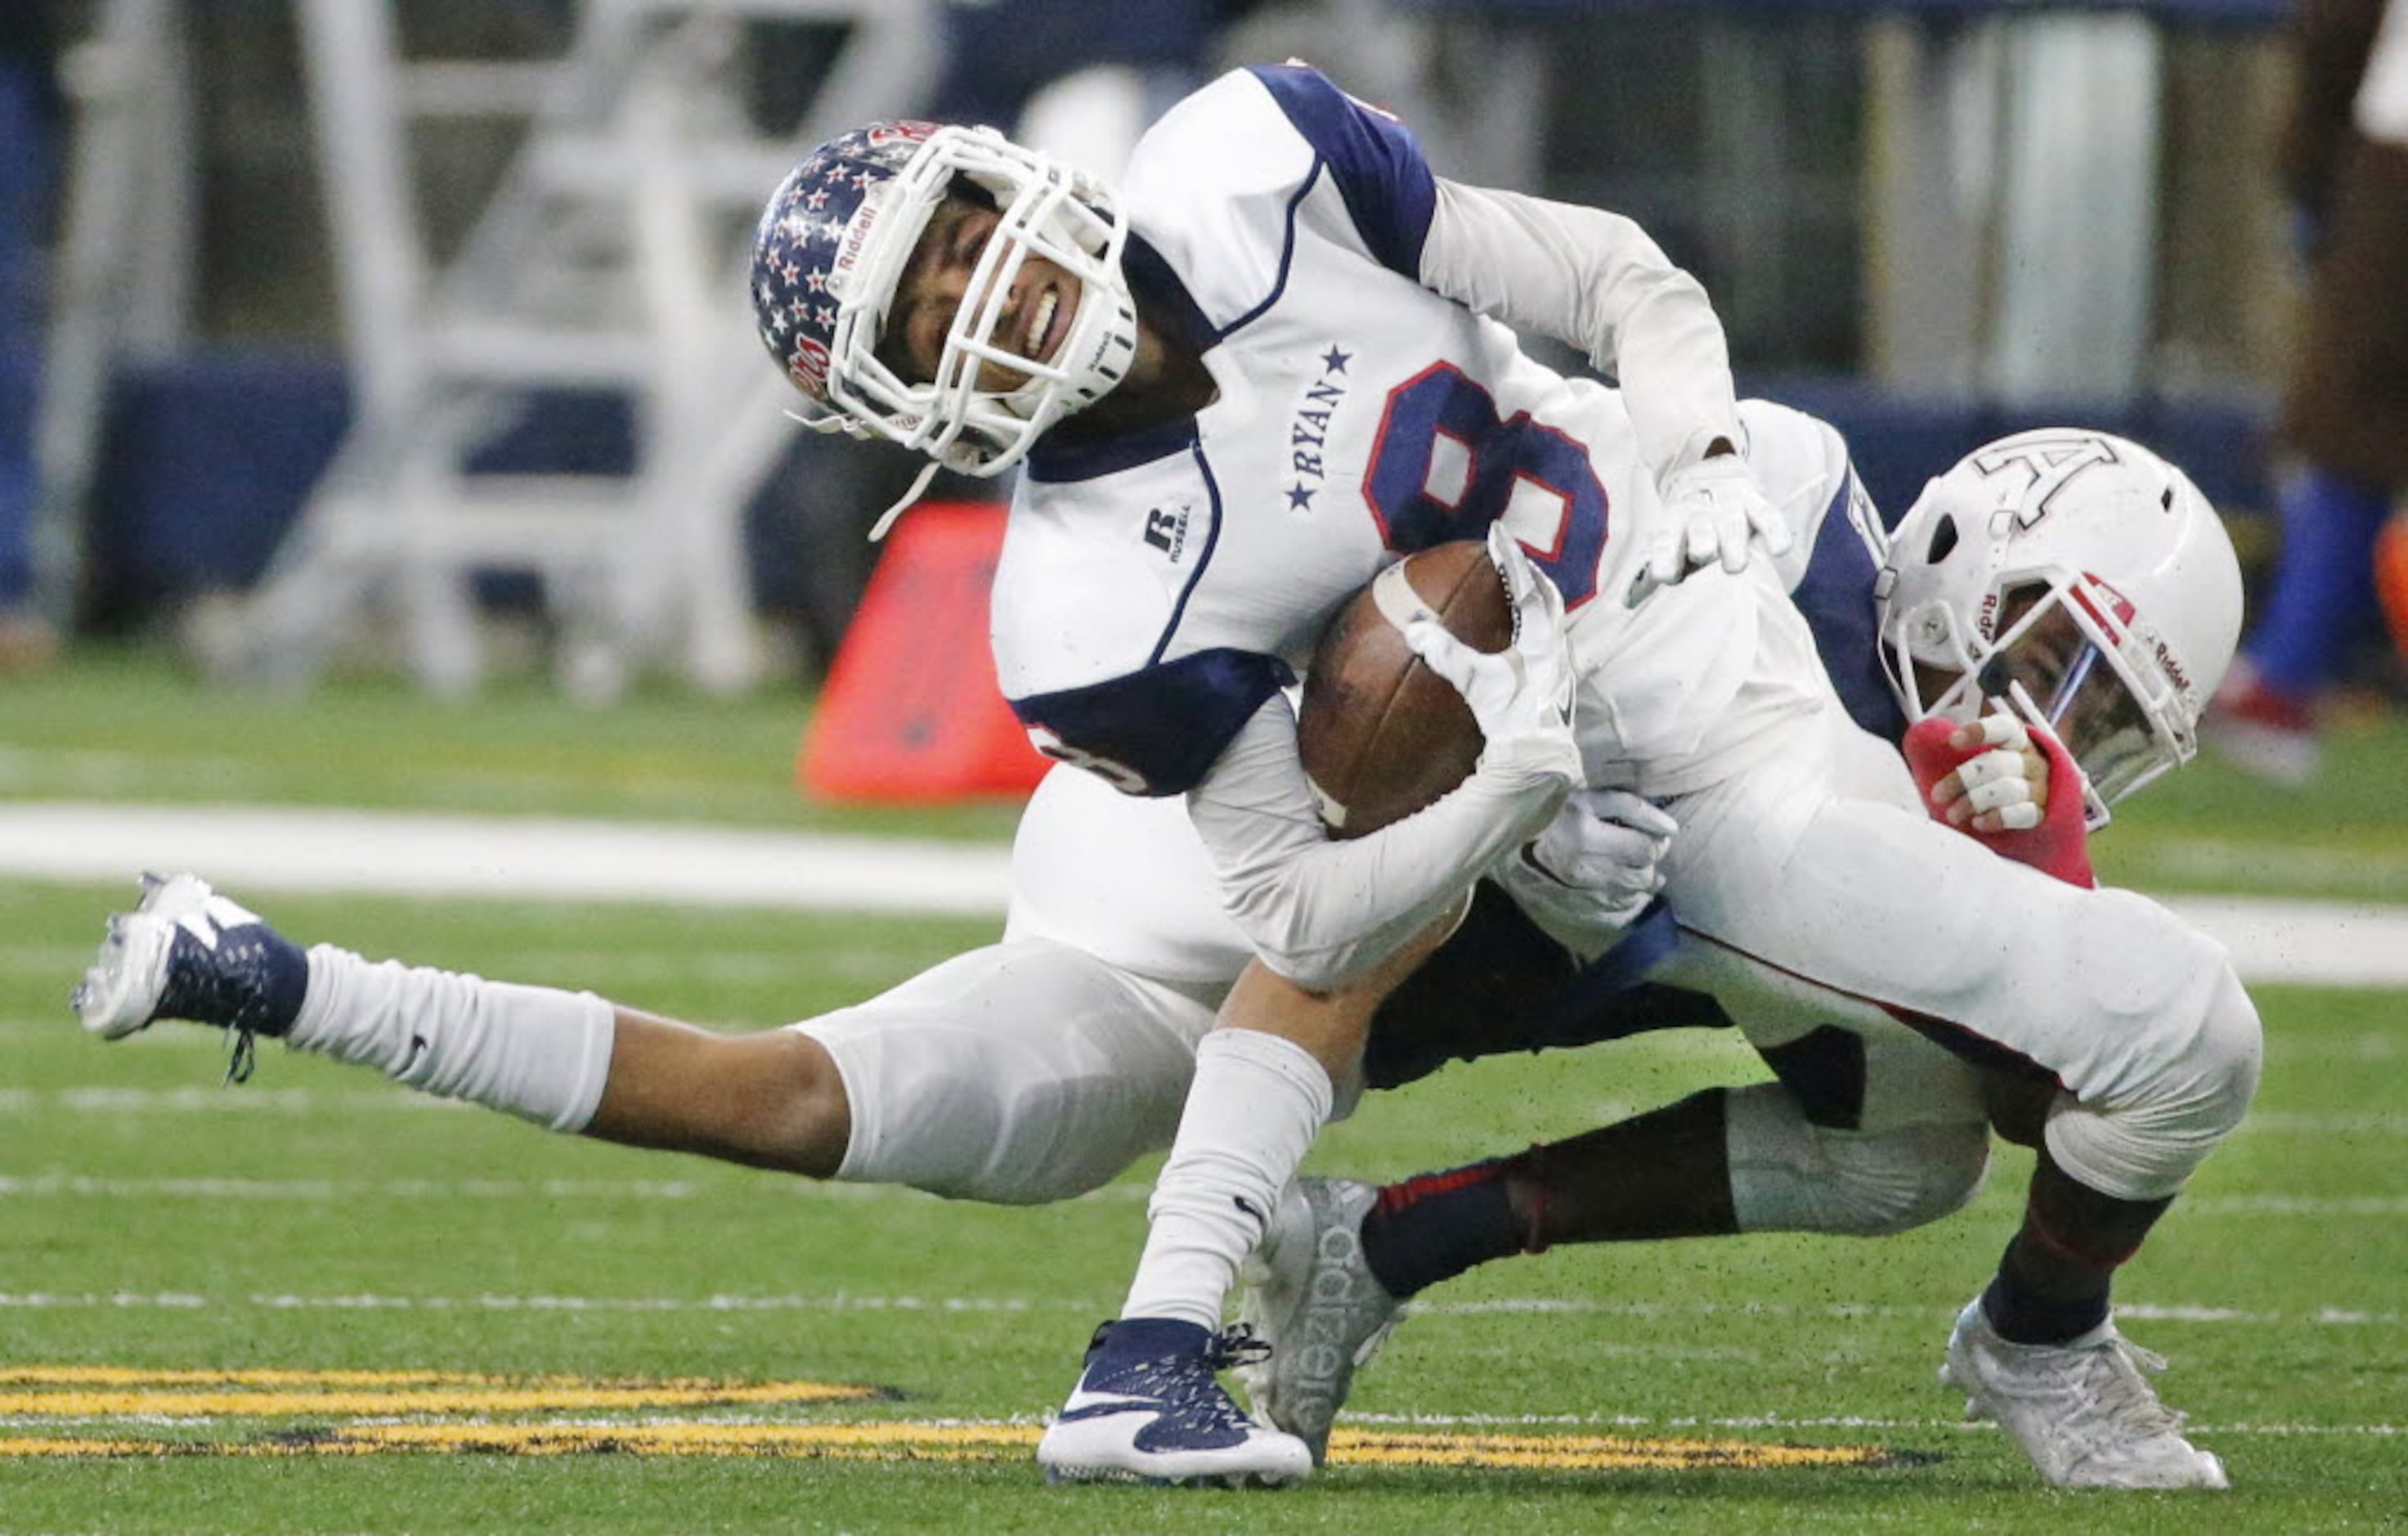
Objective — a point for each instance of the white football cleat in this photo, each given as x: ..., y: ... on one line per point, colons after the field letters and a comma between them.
x: 1310, y: 1296
x: 2082, y: 1411
x: 188, y: 953
x: 1149, y: 1408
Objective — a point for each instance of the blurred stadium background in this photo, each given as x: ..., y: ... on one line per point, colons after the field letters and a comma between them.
x: 403, y: 446
x: 398, y: 322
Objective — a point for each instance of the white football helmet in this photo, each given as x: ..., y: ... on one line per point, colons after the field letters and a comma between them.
x: 2077, y: 576
x: 830, y: 255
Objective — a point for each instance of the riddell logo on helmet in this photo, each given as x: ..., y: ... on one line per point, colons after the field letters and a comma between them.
x: 856, y: 235
x: 2173, y: 666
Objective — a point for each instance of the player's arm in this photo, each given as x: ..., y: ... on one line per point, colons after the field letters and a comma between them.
x: 1214, y: 726
x: 1321, y: 912
x: 1600, y: 281
x: 1581, y: 275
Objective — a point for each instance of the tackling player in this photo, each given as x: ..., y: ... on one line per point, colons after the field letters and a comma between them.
x: 2018, y: 575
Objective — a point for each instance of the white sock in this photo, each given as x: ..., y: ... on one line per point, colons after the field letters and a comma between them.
x: 534, y: 1052
x: 1256, y: 1105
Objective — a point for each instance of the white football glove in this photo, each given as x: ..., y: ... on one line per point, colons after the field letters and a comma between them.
x: 1593, y: 869
x: 2005, y: 789
x: 1521, y: 695
x: 1715, y: 509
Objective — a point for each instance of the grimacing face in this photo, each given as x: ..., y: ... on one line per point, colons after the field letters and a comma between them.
x: 1034, y: 320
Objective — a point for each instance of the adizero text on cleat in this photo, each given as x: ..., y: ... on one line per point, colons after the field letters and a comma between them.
x: 1310, y: 1296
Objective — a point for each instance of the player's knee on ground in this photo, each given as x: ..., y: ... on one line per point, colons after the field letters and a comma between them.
x: 2146, y: 1143
x: 1790, y: 1176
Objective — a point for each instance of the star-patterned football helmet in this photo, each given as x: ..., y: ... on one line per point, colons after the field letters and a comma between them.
x: 2077, y: 576
x: 830, y: 255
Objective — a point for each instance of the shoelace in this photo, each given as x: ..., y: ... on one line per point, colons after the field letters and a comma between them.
x: 245, y: 1055
x: 2121, y: 1394
x: 1235, y: 1345
x: 226, y: 989
x: 1192, y: 1396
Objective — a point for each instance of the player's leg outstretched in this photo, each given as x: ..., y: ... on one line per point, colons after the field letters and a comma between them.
x: 1310, y: 1296
x: 1074, y: 1068
x: 2083, y: 1410
x: 1150, y: 1408
x: 187, y: 953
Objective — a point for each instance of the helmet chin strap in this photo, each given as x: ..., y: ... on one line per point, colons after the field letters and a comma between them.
x: 887, y: 519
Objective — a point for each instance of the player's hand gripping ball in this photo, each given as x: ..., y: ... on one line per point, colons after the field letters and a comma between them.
x: 1382, y: 736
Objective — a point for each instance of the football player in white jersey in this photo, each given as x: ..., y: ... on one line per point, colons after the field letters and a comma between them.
x: 1278, y: 369
x: 1288, y: 356
x: 2020, y: 575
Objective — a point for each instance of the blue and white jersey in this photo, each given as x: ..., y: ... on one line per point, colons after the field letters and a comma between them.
x: 1128, y: 881
x: 1154, y: 592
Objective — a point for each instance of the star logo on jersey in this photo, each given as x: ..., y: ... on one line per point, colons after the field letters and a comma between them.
x: 1308, y: 431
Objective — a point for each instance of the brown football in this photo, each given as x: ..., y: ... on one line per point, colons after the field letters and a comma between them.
x: 1383, y: 736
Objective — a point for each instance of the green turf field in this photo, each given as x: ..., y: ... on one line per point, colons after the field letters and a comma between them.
x: 317, y: 1303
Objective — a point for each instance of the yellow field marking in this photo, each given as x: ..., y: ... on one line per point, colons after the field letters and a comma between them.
x: 864, y: 1442
x: 127, y: 1375
x: 569, y: 1399
x: 101, y: 1392
x: 1559, y: 1453
x: 906, y: 1441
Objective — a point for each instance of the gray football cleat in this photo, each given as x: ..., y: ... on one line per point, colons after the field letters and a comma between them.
x: 2083, y: 1411
x: 1310, y: 1296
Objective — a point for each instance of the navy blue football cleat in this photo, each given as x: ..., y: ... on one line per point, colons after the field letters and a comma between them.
x: 188, y: 953
x: 1150, y: 1408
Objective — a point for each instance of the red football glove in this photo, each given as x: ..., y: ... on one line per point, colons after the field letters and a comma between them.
x: 2060, y: 845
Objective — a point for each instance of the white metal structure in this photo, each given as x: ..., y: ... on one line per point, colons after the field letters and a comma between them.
x: 2015, y: 203
x: 611, y: 258
x: 122, y: 274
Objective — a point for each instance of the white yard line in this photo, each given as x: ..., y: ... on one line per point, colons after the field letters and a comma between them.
x: 251, y: 848
x: 2143, y: 1311
x: 388, y: 852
